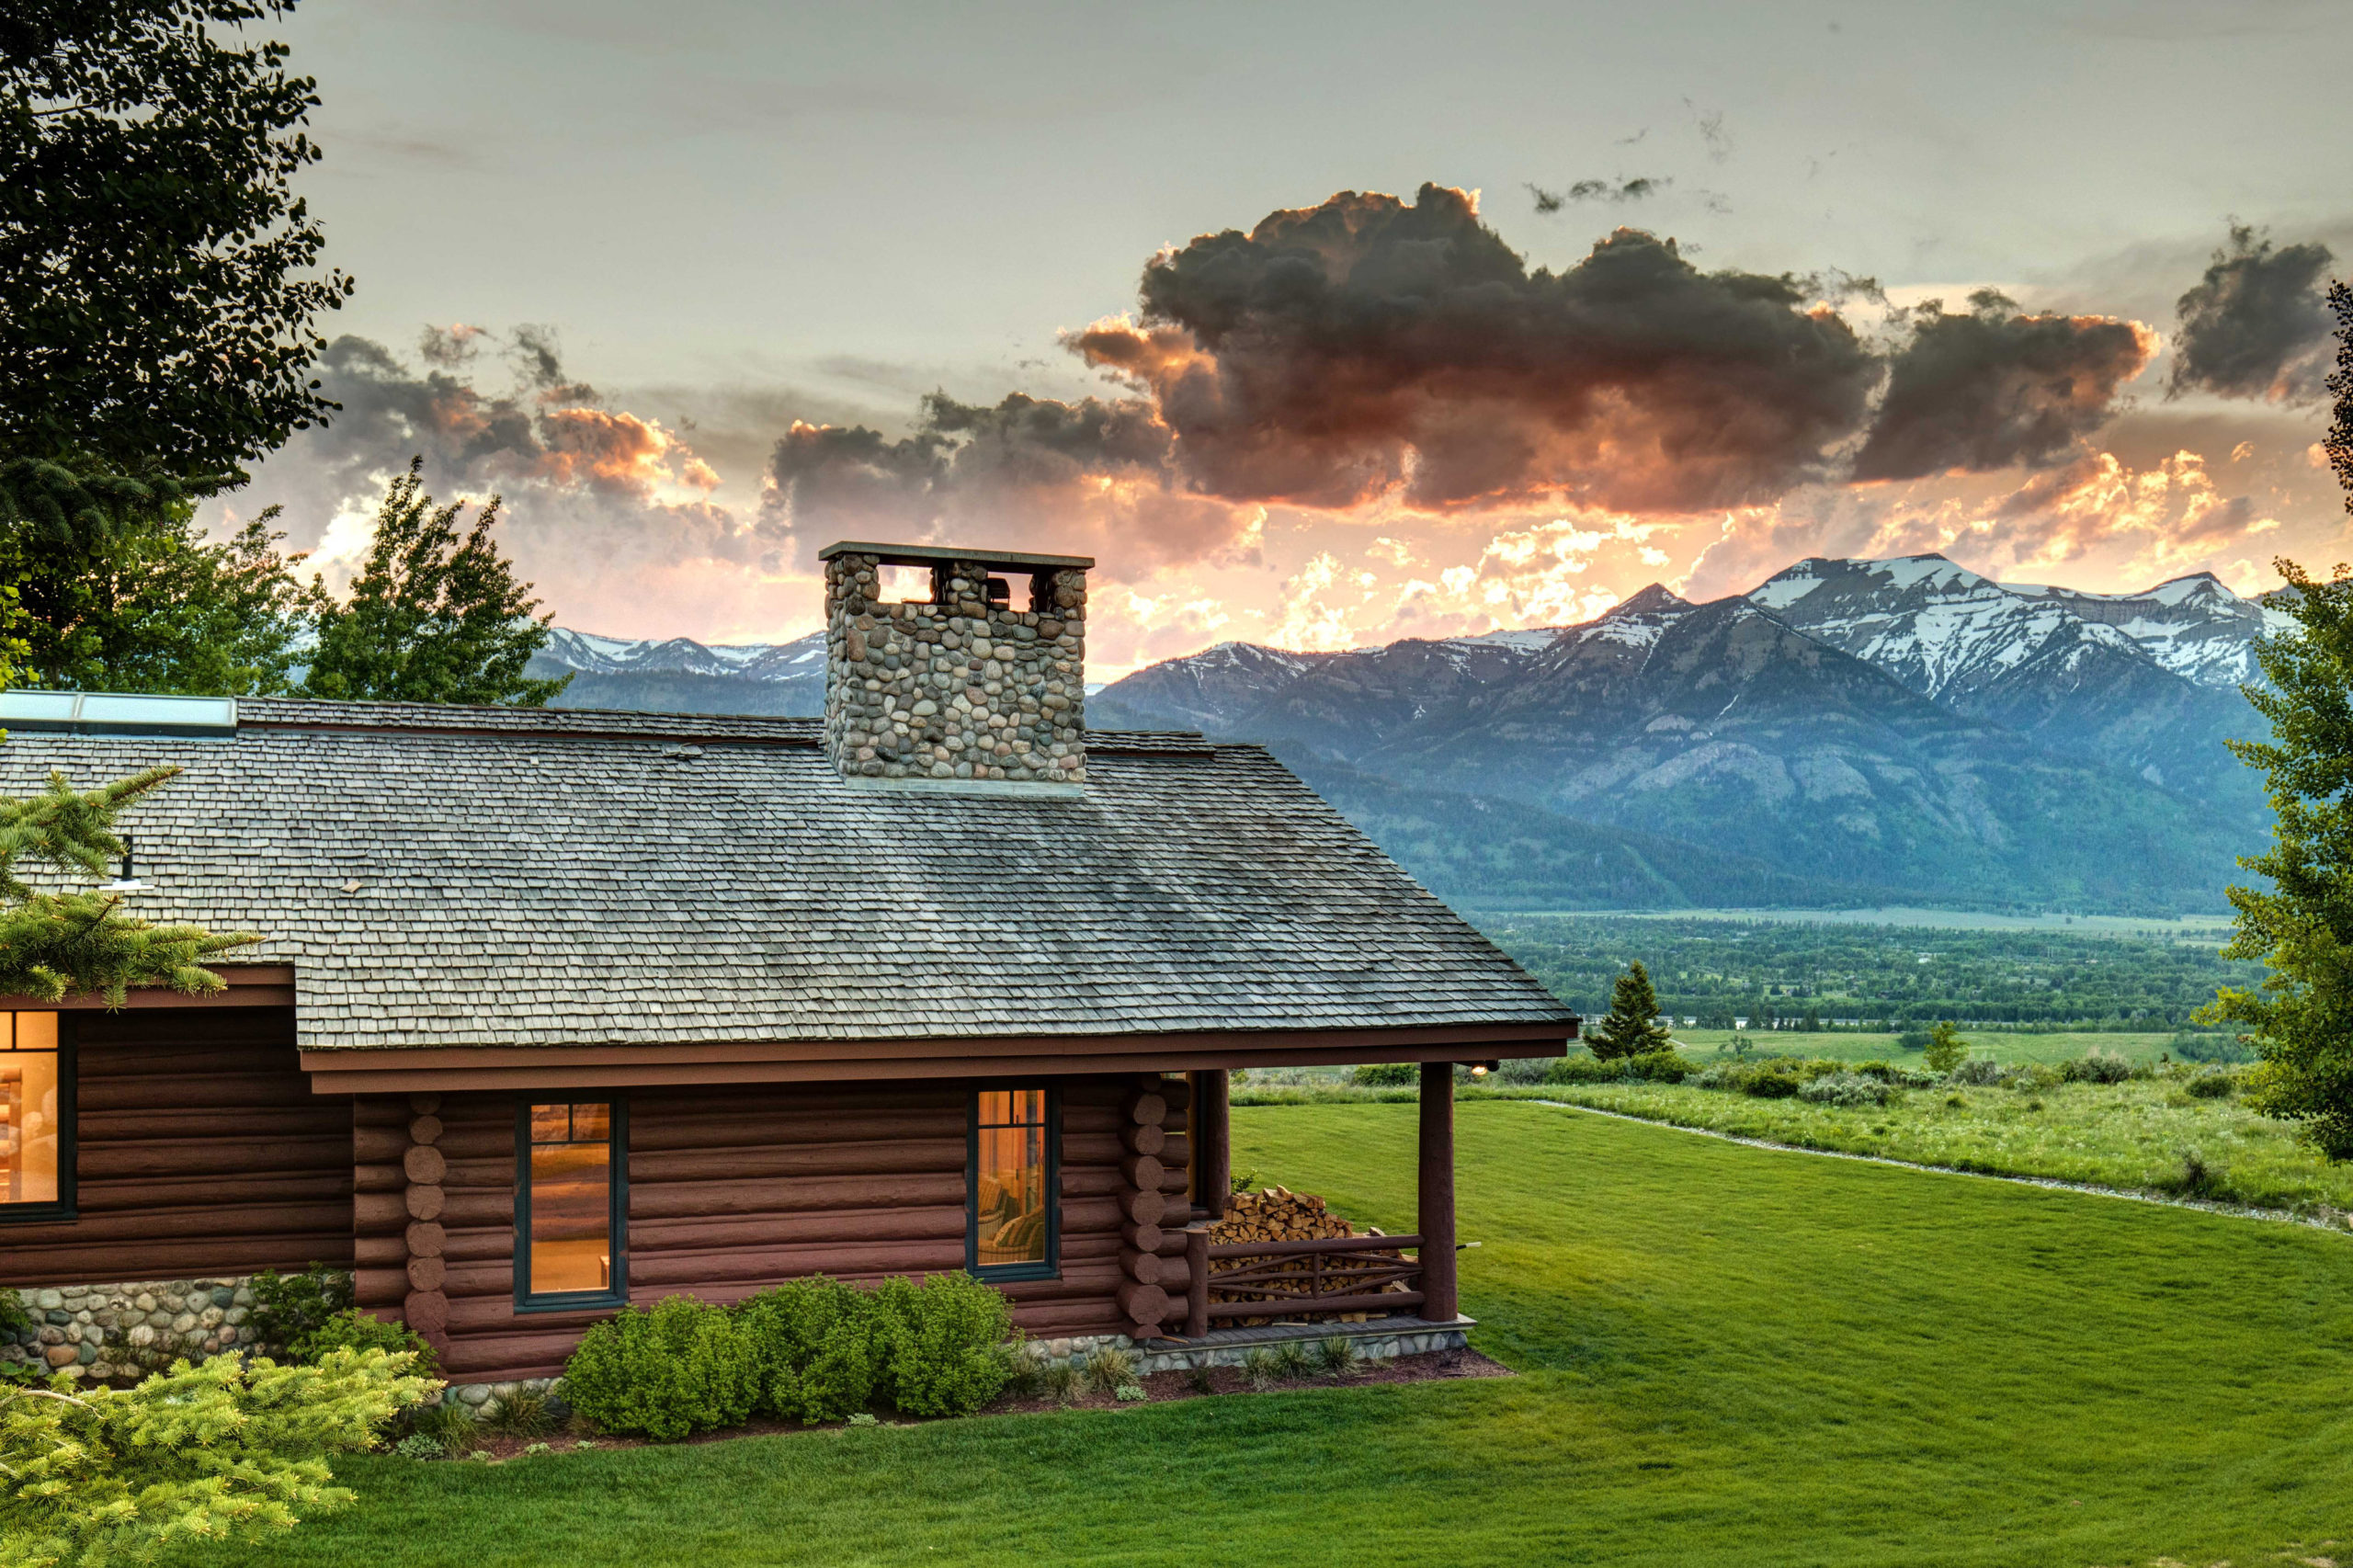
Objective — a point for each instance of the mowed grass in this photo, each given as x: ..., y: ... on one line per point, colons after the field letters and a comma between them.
x: 2133, y: 1135
x: 1728, y: 1356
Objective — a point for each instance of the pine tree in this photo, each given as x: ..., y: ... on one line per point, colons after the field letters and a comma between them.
x: 1632, y: 1029
x: 2300, y: 1019
x: 434, y: 616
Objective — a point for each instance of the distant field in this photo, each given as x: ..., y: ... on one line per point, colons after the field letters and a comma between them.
x: 2001, y: 1045
x: 1729, y: 1358
x: 2217, y: 925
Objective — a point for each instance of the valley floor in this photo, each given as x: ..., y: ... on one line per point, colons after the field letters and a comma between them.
x: 1728, y: 1356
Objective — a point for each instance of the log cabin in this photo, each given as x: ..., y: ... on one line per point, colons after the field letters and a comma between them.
x: 559, y: 1010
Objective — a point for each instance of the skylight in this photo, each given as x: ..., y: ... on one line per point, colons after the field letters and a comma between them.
x: 117, y: 713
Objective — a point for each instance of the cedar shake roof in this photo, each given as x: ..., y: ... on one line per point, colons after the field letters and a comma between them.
x: 500, y: 877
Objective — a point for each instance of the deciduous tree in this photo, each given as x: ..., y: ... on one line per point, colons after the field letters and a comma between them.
x: 434, y: 616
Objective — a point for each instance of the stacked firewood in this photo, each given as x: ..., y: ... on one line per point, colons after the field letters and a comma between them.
x: 1279, y: 1214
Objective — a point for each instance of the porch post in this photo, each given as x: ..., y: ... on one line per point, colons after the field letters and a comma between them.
x: 1436, y: 1220
x: 1216, y: 1134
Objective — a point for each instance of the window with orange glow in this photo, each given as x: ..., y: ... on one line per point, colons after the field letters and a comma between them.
x: 35, y: 1146
x: 1015, y: 1220
x: 569, y: 1206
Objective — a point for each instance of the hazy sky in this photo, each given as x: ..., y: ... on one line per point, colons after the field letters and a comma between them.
x: 649, y: 240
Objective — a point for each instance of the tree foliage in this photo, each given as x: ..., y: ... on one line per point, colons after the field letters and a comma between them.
x: 1631, y: 1028
x: 2300, y: 1020
x: 156, y: 297
x: 196, y: 1457
x: 434, y: 616
x: 54, y: 945
x: 1946, y: 1050
x: 2339, y: 443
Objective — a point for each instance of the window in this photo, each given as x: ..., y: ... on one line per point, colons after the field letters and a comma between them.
x: 571, y: 1204
x: 36, y: 1118
x: 1014, y: 1231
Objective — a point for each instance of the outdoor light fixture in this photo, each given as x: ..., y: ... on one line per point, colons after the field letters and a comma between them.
x: 1479, y: 1071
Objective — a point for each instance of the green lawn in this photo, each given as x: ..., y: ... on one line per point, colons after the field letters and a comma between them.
x: 2127, y: 1135
x: 1728, y: 1354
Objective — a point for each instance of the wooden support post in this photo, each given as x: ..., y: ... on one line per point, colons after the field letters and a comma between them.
x: 1197, y: 1279
x: 1216, y: 1142
x: 1436, y: 1192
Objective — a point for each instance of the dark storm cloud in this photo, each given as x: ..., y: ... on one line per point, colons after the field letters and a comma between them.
x: 1085, y: 472
x: 1995, y: 388
x: 2255, y: 324
x: 1336, y: 352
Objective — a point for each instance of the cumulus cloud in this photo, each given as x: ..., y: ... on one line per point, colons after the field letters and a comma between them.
x: 1095, y: 475
x: 2256, y: 325
x: 1338, y: 353
x: 1996, y: 389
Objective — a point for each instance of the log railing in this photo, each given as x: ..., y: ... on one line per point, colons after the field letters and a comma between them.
x: 1283, y: 1279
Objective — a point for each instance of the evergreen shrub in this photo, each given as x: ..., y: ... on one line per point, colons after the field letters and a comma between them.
x: 352, y: 1329
x: 288, y: 1308
x: 683, y: 1367
x: 817, y: 1344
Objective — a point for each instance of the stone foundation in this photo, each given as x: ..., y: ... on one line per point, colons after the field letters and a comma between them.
x: 1376, y: 1339
x: 120, y: 1333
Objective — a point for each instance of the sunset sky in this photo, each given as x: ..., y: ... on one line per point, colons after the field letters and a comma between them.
x: 1325, y: 325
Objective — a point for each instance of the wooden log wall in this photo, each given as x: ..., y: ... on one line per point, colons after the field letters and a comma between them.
x: 735, y: 1189
x: 1153, y: 1209
x: 200, y: 1150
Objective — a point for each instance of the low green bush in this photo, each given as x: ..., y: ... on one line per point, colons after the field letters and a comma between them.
x: 943, y: 1338
x: 811, y: 1350
x: 289, y: 1307
x: 2097, y: 1066
x: 1765, y: 1077
x: 2214, y: 1083
x: 2220, y: 1047
x: 683, y: 1367
x: 1389, y: 1074
x: 1652, y: 1066
x: 1912, y: 1039
x: 352, y: 1329
x: 1849, y: 1089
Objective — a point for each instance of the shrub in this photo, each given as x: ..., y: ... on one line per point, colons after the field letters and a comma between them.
x: 1130, y: 1392
x: 1389, y: 1074
x: 1258, y: 1367
x: 288, y: 1307
x: 1899, y: 1077
x: 817, y: 1346
x: 451, y: 1427
x: 1110, y: 1368
x: 683, y: 1367
x: 352, y: 1329
x: 1912, y: 1039
x: 1653, y: 1066
x: 2214, y: 1083
x: 1525, y: 1070
x: 1766, y: 1077
x: 417, y: 1446
x: 1981, y: 1072
x: 1024, y: 1368
x: 1849, y: 1089
x: 944, y: 1358
x: 225, y: 1451
x: 2097, y: 1066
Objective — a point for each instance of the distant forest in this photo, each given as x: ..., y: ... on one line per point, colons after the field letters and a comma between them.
x: 1807, y: 975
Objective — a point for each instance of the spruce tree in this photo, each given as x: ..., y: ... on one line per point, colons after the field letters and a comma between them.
x: 2300, y: 1019
x: 1631, y: 1028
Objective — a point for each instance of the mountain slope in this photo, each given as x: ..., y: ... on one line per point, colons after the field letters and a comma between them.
x: 679, y: 676
x: 2028, y: 660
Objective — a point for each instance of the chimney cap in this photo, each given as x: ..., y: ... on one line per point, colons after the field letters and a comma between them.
x: 933, y: 554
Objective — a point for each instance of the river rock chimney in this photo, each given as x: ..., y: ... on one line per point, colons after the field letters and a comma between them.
x: 984, y: 680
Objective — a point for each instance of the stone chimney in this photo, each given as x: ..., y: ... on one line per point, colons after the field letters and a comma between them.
x: 984, y: 680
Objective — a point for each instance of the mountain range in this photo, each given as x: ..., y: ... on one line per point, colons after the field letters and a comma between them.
x: 1848, y: 733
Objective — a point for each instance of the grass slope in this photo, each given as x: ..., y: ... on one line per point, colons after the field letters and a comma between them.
x: 1729, y: 1357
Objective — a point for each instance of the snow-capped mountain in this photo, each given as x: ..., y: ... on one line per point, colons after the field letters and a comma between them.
x: 591, y: 654
x: 2194, y: 626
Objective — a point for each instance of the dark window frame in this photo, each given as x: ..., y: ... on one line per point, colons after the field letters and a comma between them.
x: 1051, y: 1268
x: 50, y: 1211
x: 617, y: 1222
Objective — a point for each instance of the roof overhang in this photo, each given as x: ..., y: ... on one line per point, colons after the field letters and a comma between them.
x: 250, y: 985
x: 453, y: 1069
